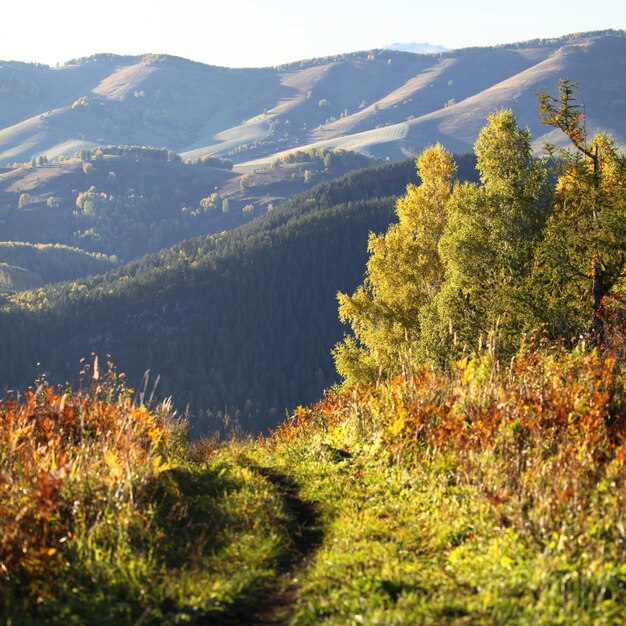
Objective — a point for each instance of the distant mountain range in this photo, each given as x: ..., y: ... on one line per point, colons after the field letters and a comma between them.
x: 386, y: 103
x: 416, y: 48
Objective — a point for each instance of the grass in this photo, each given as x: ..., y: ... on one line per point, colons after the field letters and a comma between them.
x: 478, y: 498
x: 485, y: 495
x: 107, y: 515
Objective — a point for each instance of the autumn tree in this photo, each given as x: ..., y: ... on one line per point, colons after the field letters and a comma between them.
x: 403, y: 273
x: 487, y: 246
x: 583, y: 256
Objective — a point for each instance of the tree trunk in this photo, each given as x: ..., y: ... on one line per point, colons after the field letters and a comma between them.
x: 599, y: 291
x: 598, y: 287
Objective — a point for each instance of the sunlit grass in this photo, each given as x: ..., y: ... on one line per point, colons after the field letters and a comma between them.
x: 481, y: 497
x: 109, y: 516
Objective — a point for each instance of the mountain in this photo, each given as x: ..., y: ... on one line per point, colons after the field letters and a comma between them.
x: 127, y: 201
x: 416, y: 48
x: 383, y: 102
x: 239, y: 323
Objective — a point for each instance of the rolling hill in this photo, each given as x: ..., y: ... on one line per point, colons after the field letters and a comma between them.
x: 238, y: 324
x: 127, y: 201
x: 386, y: 103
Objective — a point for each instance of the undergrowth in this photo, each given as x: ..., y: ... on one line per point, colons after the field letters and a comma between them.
x: 486, y: 495
x: 109, y: 516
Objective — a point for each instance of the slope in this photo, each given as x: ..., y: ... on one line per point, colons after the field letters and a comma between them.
x: 383, y: 102
x: 239, y: 323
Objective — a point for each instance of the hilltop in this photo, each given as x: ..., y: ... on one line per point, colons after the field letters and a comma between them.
x: 383, y: 102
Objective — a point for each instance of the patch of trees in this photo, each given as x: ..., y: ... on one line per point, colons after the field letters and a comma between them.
x: 474, y: 265
x: 50, y: 263
x: 213, y: 161
x: 324, y: 158
x: 135, y: 152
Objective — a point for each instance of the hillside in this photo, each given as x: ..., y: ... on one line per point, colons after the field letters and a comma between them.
x: 128, y: 201
x: 384, y: 102
x: 27, y: 266
x: 239, y: 323
x: 484, y: 496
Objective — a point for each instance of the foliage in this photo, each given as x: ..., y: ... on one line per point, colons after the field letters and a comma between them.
x: 53, y: 262
x: 135, y: 204
x: 403, y: 274
x: 107, y: 515
x: 213, y: 161
x: 507, y: 255
x: 487, y: 245
x: 326, y: 158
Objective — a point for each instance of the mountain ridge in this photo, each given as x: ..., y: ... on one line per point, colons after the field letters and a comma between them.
x: 252, y: 114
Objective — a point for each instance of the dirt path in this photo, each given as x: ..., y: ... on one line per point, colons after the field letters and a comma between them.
x: 278, y: 602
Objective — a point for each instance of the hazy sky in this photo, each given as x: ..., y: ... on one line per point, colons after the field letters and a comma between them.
x: 269, y: 32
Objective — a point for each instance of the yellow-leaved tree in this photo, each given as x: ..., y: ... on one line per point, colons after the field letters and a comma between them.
x: 403, y: 273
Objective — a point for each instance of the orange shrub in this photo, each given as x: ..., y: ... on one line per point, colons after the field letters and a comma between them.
x: 69, y: 461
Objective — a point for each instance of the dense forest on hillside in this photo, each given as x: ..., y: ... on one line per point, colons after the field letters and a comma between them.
x: 127, y: 201
x: 239, y: 323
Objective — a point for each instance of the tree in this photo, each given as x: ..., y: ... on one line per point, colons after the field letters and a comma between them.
x: 23, y: 201
x: 488, y: 245
x: 584, y: 252
x: 245, y: 182
x: 404, y: 272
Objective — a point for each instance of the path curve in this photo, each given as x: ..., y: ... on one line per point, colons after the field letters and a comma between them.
x: 278, y: 602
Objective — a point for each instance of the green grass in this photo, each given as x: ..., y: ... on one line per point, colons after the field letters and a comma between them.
x: 478, y: 497
x: 212, y: 536
x: 414, y: 545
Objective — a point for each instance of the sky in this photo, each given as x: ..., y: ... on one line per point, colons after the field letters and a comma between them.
x: 252, y: 33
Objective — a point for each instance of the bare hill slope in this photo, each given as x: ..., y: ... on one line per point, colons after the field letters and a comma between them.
x: 383, y: 102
